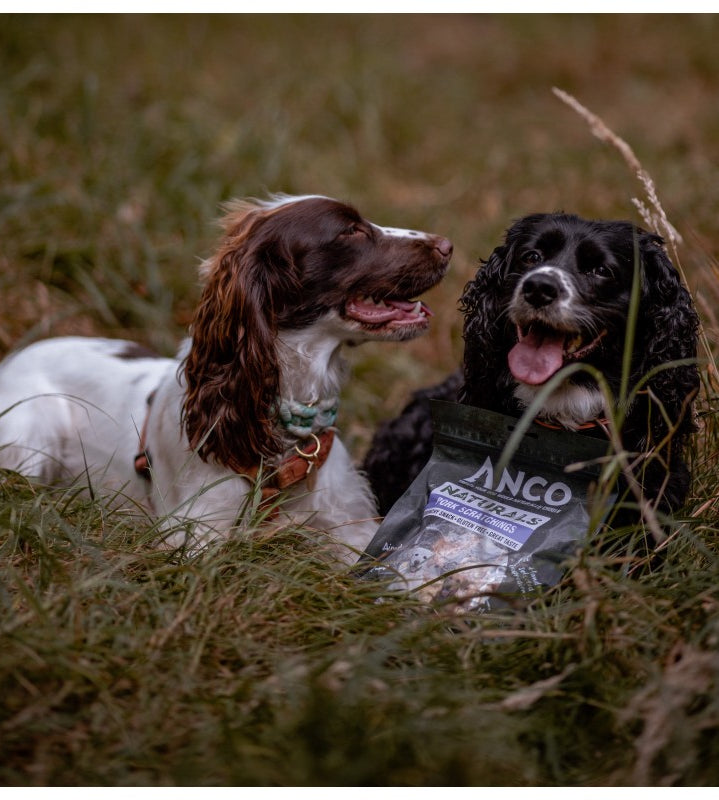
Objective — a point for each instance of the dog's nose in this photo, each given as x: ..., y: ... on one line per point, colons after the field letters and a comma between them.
x: 444, y: 246
x: 540, y: 290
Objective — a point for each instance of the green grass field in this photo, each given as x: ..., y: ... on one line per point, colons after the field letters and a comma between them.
x: 257, y: 663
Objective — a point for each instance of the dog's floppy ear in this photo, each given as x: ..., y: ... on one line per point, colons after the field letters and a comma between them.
x: 232, y: 370
x: 484, y: 325
x: 667, y: 328
x: 661, y: 417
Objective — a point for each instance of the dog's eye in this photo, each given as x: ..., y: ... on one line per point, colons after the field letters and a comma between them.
x: 353, y: 230
x: 532, y: 257
x: 602, y: 271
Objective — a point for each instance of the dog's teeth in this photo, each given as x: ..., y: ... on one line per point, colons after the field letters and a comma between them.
x: 574, y: 344
x: 381, y: 304
x: 417, y: 307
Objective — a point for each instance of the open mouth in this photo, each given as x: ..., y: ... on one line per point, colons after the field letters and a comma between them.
x: 387, y: 313
x: 541, y: 351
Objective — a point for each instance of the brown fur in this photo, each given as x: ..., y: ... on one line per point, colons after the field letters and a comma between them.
x: 231, y: 371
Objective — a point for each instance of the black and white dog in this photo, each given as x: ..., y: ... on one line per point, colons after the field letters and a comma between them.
x: 254, y: 389
x: 557, y: 292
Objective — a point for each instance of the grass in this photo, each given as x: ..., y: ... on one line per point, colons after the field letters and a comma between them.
x: 258, y: 663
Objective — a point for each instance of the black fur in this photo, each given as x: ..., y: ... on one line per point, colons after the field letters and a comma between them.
x: 595, y: 260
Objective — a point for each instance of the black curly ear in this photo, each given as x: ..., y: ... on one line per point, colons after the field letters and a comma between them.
x: 483, y: 303
x: 661, y: 418
x: 667, y: 328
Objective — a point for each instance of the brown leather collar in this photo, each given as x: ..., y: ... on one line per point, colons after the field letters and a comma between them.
x: 300, y: 463
x: 599, y: 422
x: 142, y: 459
x: 297, y: 465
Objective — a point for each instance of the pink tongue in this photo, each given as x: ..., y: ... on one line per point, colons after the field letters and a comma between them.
x: 536, y: 358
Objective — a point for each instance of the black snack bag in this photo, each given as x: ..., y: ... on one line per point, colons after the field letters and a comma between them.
x: 463, y: 532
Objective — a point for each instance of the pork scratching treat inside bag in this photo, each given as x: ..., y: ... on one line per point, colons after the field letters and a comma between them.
x: 466, y: 534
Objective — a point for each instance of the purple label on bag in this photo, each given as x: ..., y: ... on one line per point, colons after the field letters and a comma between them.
x: 503, y: 523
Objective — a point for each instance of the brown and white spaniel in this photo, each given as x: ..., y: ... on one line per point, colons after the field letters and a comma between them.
x: 247, y: 410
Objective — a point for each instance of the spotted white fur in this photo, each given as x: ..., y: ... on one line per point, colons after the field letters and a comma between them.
x: 569, y: 405
x: 560, y: 313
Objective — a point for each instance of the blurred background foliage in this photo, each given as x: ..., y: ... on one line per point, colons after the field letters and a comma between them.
x: 120, y: 137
